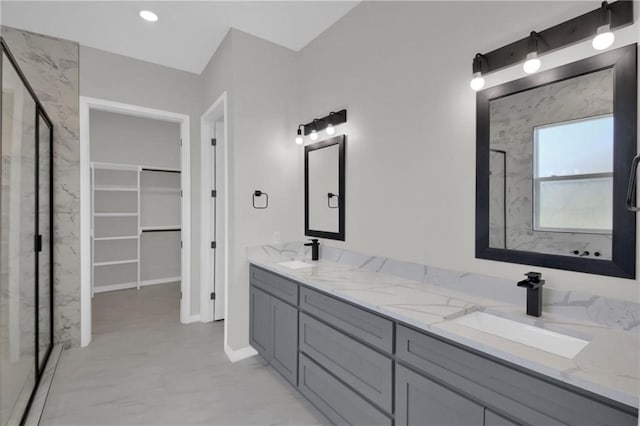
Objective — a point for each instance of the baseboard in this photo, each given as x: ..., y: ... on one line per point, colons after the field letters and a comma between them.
x: 240, y: 354
x: 192, y: 319
x: 160, y: 281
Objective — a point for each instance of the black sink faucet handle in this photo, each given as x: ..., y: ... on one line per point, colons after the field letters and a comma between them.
x: 534, y: 277
x: 314, y: 244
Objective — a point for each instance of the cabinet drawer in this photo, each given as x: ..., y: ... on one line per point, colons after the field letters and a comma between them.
x: 335, y: 400
x: 275, y: 285
x: 423, y: 402
x: 522, y: 396
x: 364, y: 325
x: 365, y: 370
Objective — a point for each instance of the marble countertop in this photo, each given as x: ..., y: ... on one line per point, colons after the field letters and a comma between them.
x: 609, y: 365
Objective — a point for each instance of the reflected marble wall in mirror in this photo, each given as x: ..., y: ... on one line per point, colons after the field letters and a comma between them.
x: 553, y: 159
x: 324, y: 188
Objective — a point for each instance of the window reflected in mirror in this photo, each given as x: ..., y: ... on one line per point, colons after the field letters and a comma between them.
x: 551, y: 168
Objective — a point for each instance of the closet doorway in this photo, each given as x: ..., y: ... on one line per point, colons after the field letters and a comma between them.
x: 135, y: 205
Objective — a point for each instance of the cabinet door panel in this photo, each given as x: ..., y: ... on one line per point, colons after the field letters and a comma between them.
x: 276, y: 285
x: 367, y: 326
x: 260, y: 322
x: 284, y: 332
x: 420, y: 401
x: 335, y: 400
x: 365, y: 370
x: 493, y: 419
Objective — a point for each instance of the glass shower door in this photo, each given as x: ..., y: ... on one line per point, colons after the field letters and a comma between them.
x: 17, y: 255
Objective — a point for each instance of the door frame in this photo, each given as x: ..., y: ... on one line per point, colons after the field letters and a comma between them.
x: 87, y: 104
x: 213, y: 114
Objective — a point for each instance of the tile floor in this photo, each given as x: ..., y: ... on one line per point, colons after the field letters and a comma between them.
x: 145, y: 368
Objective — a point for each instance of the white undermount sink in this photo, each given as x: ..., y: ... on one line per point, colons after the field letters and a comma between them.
x: 536, y: 337
x: 295, y: 264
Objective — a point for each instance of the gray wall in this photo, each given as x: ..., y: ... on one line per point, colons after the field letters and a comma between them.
x: 124, y: 139
x: 260, y: 80
x: 402, y: 69
x: 118, y: 78
x: 51, y: 67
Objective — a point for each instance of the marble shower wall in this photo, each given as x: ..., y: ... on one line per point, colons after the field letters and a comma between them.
x: 52, y: 68
x: 512, y: 120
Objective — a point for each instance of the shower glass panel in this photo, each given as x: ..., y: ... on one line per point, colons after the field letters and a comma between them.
x: 26, y: 266
x: 18, y: 256
x: 45, y: 267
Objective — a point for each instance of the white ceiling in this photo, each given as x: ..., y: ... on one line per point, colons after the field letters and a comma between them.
x: 187, y: 33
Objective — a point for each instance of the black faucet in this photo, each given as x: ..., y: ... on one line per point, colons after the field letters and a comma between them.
x: 533, y: 284
x: 315, y: 246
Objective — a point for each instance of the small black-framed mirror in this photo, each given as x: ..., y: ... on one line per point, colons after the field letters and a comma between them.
x: 553, y: 158
x: 324, y: 188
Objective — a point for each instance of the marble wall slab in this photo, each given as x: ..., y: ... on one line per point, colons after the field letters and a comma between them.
x: 52, y: 68
x: 578, y: 306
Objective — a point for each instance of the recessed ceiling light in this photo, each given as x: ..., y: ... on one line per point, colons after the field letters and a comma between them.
x: 148, y: 15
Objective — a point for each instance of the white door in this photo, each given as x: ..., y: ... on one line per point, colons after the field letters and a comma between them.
x: 217, y: 218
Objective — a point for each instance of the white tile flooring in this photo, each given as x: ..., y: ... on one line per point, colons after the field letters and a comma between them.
x: 145, y: 368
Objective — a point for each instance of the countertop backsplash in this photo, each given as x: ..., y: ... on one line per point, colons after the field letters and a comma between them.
x: 612, y: 313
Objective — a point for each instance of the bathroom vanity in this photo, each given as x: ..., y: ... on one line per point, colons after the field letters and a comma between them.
x: 360, y: 366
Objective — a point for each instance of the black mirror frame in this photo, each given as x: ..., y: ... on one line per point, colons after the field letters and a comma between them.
x: 341, y: 142
x: 623, y: 61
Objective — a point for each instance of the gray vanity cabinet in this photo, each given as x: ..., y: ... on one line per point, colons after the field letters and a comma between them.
x: 421, y: 401
x: 493, y: 419
x: 284, y: 339
x: 260, y: 328
x: 274, y: 323
x: 361, y: 368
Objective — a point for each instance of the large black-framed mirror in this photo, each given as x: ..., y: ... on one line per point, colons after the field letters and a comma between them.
x: 553, y: 158
x: 324, y: 188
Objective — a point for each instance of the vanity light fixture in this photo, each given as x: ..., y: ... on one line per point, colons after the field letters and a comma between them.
x: 148, y: 16
x: 532, y: 64
x: 299, y: 139
x: 327, y: 123
x: 599, y: 22
x: 604, y: 37
x: 330, y: 129
x: 477, y: 82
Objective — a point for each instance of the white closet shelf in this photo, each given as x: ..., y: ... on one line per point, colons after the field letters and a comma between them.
x: 115, y: 262
x: 159, y: 189
x: 123, y: 237
x: 161, y: 228
x: 116, y: 188
x: 115, y: 214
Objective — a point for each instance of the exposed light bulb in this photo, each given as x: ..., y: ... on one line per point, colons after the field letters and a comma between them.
x: 477, y: 82
x: 148, y: 15
x: 299, y: 139
x: 532, y: 64
x: 330, y: 129
x: 313, y: 135
x: 604, y: 38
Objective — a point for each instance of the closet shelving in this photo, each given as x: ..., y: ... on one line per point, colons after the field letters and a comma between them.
x: 130, y: 203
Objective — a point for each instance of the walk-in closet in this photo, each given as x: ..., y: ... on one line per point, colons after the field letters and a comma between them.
x: 136, y: 202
